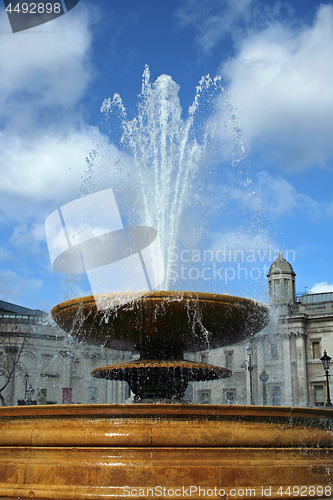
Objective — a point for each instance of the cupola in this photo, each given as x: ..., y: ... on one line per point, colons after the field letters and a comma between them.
x: 281, y: 282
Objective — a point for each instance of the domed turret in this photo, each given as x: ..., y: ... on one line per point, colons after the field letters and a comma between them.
x: 281, y: 282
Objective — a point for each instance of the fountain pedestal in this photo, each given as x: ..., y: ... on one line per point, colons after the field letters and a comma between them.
x: 165, y: 451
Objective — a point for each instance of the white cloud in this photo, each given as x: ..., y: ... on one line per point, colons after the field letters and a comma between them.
x: 44, y: 72
x: 13, y: 286
x: 214, y: 19
x: 279, y: 197
x: 44, y: 167
x: 4, y: 254
x: 24, y: 236
x: 44, y: 67
x: 239, y: 245
x: 323, y: 286
x: 50, y: 169
x: 281, y: 84
x: 274, y: 196
x: 43, y: 174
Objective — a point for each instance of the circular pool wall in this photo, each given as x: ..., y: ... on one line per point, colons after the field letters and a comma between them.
x: 165, y: 451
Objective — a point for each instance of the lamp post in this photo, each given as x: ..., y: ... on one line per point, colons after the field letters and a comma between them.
x: 26, y: 378
x: 249, y: 351
x: 326, y: 364
x: 264, y: 378
x: 29, y: 391
x: 248, y: 362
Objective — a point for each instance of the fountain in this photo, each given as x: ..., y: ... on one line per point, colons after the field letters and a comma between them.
x: 160, y: 446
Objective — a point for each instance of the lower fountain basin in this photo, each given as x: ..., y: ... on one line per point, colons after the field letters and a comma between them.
x: 155, y: 381
x: 135, y: 451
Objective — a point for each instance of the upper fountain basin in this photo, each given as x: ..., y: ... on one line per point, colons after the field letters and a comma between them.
x: 185, y: 321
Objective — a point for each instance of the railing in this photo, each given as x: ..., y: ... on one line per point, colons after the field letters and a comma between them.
x: 314, y: 298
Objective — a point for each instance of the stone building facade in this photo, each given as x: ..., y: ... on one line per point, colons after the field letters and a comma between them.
x: 285, y: 367
x: 47, y: 367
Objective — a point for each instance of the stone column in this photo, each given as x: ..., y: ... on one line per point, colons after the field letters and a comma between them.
x: 114, y: 394
x: 11, y: 353
x: 303, y: 396
x: 287, y: 374
x: 260, y: 368
x: 66, y: 369
x: 247, y: 376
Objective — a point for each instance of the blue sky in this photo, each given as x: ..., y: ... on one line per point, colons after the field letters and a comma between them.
x: 275, y: 60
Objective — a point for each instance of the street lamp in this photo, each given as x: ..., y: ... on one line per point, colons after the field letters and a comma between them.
x: 26, y: 378
x: 248, y: 362
x: 249, y: 351
x: 326, y: 364
x: 264, y: 379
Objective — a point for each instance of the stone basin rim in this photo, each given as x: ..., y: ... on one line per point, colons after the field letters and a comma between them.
x: 158, y: 294
x: 162, y: 410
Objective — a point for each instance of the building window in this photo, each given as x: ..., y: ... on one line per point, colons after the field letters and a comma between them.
x: 319, y: 395
x: 92, y: 395
x: 229, y: 359
x: 204, y: 397
x: 274, y: 352
x: 47, y: 367
x: 76, y: 368
x: 316, y: 350
x: 67, y: 396
x: 127, y: 391
x: 277, y: 289
x: 204, y: 359
x: 229, y: 396
x: 46, y: 363
x: 286, y: 288
x: 41, y: 396
x: 276, y: 395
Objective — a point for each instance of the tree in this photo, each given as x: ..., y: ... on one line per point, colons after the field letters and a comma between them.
x: 13, y: 348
